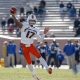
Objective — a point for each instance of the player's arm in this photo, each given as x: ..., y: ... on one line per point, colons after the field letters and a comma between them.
x: 19, y: 24
x: 40, y: 38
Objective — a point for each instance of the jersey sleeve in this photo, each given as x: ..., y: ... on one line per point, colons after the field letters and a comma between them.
x: 40, y: 37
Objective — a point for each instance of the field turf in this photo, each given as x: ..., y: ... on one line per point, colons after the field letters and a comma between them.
x: 24, y: 74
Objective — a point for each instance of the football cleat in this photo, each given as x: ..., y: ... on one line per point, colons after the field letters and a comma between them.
x: 49, y: 70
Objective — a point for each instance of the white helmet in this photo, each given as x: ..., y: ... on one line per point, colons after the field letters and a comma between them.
x: 31, y: 19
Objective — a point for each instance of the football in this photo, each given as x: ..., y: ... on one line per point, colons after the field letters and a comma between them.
x: 13, y: 10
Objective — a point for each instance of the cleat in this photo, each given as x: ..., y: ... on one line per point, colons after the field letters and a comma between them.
x: 49, y: 70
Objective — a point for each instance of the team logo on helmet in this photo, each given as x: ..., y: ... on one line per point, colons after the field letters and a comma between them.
x: 32, y: 16
x: 31, y: 19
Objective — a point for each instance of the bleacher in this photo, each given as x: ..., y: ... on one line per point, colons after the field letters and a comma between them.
x: 5, y: 6
x: 61, y: 26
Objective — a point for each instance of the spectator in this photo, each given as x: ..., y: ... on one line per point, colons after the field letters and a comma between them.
x: 42, y: 50
x: 11, y: 28
x: 52, y: 35
x: 21, y: 10
x: 10, y: 20
x: 28, y: 9
x: 53, y: 54
x: 22, y: 19
x: 14, y: 45
x: 69, y: 6
x: 75, y: 1
x: 77, y: 31
x: 43, y: 3
x: 73, y: 12
x: 4, y: 52
x: 3, y: 23
x: 79, y: 13
x: 60, y: 57
x: 22, y: 59
x: 69, y: 50
x: 76, y: 23
x: 10, y: 51
x: 35, y: 10
x: 61, y: 7
x: 40, y: 10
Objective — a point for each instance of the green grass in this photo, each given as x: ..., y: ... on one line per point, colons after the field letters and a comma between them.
x: 24, y: 74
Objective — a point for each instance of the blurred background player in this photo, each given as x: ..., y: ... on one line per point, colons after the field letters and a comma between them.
x: 76, y: 67
x: 60, y: 57
x: 47, y: 50
x: 53, y: 54
x: 42, y: 50
x: 28, y: 31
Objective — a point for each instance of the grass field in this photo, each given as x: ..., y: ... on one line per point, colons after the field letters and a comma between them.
x: 24, y: 74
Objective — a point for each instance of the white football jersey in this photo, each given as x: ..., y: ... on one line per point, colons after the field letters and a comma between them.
x: 28, y: 33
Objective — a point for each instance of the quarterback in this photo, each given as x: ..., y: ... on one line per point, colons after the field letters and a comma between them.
x: 28, y: 31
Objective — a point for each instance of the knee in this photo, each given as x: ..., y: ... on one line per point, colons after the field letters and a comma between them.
x: 39, y: 56
x: 29, y: 62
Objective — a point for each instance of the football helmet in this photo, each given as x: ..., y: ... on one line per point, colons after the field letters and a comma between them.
x: 31, y: 19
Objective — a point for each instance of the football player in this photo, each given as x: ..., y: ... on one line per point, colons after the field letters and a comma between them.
x: 76, y: 67
x: 28, y: 31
